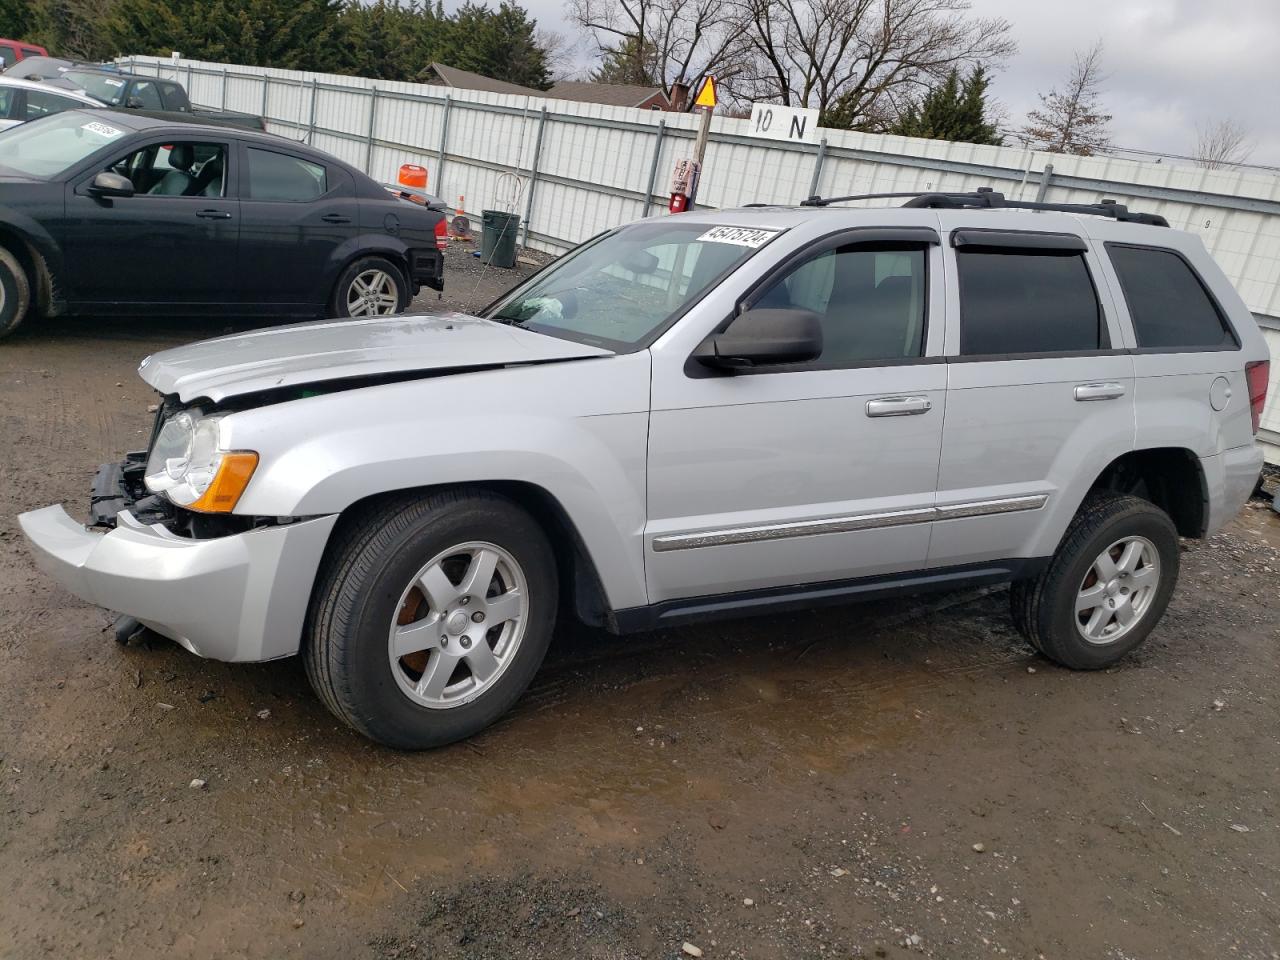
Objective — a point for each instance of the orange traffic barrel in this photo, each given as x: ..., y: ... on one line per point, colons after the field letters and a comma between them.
x: 412, y: 175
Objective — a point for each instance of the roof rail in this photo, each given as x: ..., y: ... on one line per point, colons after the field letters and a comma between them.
x: 989, y: 199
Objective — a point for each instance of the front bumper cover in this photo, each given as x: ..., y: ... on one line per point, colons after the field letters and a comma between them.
x: 241, y: 597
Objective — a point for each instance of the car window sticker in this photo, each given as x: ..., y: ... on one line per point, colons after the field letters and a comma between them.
x: 740, y: 236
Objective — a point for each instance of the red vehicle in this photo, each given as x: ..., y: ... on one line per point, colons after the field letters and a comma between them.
x: 11, y: 51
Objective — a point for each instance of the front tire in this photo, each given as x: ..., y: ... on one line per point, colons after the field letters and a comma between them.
x: 370, y: 287
x: 1106, y: 587
x: 431, y: 616
x: 15, y: 293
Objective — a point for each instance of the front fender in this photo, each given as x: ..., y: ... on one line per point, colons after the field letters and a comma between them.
x: 576, y: 430
x: 38, y: 243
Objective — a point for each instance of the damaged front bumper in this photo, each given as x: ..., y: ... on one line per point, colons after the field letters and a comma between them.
x: 238, y: 597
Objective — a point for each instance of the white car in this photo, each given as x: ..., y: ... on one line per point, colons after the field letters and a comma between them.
x: 23, y: 100
x: 714, y: 414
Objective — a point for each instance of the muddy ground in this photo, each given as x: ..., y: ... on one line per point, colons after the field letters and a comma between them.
x: 801, y: 786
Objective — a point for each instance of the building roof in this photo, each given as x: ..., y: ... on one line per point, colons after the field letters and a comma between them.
x: 613, y: 94
x: 466, y: 80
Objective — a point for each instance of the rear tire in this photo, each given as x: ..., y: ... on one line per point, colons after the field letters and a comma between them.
x: 370, y: 287
x: 412, y: 639
x: 15, y: 293
x: 1105, y: 588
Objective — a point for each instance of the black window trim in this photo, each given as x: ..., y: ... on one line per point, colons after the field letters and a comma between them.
x: 1104, y: 349
x: 330, y: 181
x: 975, y: 239
x: 908, y: 238
x: 1223, y: 317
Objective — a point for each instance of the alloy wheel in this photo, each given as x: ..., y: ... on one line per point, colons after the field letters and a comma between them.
x: 458, y: 625
x: 373, y: 293
x: 1117, y: 590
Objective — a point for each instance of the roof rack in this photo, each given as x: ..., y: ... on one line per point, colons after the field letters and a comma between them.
x: 987, y: 198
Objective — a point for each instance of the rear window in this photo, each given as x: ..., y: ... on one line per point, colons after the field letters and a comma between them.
x: 276, y: 176
x: 1015, y: 301
x: 1167, y: 300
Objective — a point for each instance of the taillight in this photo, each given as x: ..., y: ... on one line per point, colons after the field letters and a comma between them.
x: 442, y: 241
x: 1256, y: 375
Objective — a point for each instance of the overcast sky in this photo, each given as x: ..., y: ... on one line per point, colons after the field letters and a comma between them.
x: 1172, y: 63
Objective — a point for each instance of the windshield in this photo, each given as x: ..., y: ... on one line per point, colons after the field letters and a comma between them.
x: 107, y: 89
x: 55, y: 144
x: 619, y: 290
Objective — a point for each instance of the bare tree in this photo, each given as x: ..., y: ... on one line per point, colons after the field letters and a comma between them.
x: 1071, y: 120
x: 662, y: 41
x: 1222, y: 143
x: 860, y: 61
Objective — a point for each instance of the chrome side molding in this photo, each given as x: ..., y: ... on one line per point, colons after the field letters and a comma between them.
x: 848, y: 524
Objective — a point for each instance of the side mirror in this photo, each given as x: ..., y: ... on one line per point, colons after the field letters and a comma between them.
x: 759, y: 338
x: 108, y: 184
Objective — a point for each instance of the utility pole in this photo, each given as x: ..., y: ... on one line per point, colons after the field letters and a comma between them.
x: 684, y: 181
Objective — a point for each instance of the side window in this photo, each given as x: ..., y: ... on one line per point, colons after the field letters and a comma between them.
x: 145, y: 95
x: 41, y: 104
x: 6, y: 101
x: 177, y: 170
x: 871, y: 301
x: 32, y: 52
x: 276, y: 176
x: 7, y: 56
x: 174, y: 96
x: 1016, y: 301
x: 1167, y: 301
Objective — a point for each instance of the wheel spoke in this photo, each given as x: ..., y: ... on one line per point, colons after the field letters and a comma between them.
x: 379, y: 283
x: 504, y: 607
x: 1128, y: 561
x: 1105, y: 566
x: 436, y: 677
x: 360, y: 285
x: 439, y: 588
x: 481, y: 660
x: 358, y: 309
x: 1097, y: 623
x: 1091, y: 597
x: 414, y: 637
x: 1145, y: 577
x: 1125, y: 614
x: 479, y: 574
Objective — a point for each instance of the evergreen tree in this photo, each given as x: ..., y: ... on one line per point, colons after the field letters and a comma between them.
x: 954, y: 110
x: 15, y: 19
x: 626, y: 63
x: 498, y: 44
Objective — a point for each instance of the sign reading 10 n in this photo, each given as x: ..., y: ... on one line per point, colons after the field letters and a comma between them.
x: 775, y: 122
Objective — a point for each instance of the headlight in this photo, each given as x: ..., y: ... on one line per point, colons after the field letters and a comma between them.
x: 189, y: 467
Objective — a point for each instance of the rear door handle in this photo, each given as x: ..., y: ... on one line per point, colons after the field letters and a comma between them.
x: 335, y: 218
x: 898, y: 406
x: 1099, y: 391
x: 213, y: 215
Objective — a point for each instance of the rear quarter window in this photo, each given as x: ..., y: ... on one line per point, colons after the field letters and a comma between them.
x: 1168, y: 302
x: 1014, y: 302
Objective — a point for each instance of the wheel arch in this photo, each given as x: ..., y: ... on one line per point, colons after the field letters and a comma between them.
x: 366, y: 246
x: 581, y: 588
x: 1171, y: 478
x: 33, y: 263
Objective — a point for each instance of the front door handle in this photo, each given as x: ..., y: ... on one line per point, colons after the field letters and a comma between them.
x: 898, y: 406
x: 335, y: 218
x: 213, y: 215
x: 1099, y: 391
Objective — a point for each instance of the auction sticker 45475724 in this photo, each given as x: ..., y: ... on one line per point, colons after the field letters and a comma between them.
x: 741, y: 236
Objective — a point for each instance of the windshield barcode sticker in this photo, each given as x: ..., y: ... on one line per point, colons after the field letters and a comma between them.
x: 741, y: 236
x: 102, y: 130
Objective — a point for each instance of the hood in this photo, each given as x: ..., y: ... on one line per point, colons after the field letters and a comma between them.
x: 312, y: 353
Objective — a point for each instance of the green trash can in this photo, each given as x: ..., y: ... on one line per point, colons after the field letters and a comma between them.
x: 498, y: 237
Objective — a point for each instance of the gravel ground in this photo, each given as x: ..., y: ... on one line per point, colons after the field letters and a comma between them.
x: 894, y: 780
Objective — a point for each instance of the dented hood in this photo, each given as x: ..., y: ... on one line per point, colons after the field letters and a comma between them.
x: 307, y: 353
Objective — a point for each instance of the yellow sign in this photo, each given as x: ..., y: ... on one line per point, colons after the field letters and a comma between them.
x: 707, y: 95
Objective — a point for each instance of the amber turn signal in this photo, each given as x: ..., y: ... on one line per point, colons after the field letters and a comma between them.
x: 229, y: 483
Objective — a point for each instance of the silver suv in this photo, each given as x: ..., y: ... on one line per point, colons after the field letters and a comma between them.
x: 707, y: 415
